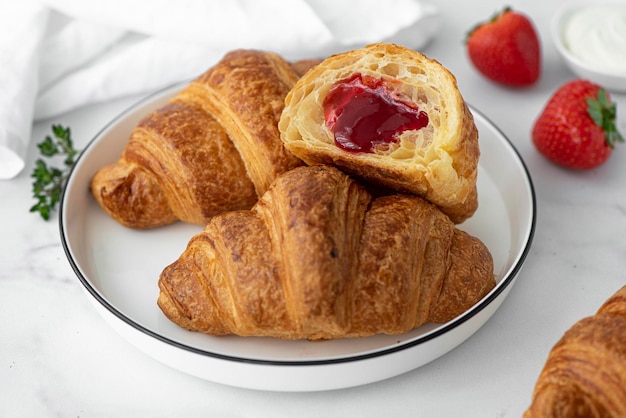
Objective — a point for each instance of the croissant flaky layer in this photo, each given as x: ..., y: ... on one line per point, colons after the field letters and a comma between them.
x: 214, y: 147
x: 319, y: 257
x: 438, y: 160
x: 585, y: 373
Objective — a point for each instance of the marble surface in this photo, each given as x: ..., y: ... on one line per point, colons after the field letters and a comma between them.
x: 59, y: 358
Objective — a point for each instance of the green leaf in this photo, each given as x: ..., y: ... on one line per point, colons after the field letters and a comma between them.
x: 47, y: 147
x: 49, y: 181
x: 604, y: 112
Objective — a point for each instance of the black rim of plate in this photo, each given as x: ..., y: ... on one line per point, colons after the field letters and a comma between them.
x: 506, y: 281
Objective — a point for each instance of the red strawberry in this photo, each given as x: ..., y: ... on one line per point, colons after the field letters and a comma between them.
x: 577, y: 127
x: 506, y: 49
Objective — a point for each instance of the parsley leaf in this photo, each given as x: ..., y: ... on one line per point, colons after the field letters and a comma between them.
x: 48, y: 180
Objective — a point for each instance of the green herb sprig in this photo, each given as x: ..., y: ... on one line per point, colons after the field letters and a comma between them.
x: 48, y: 180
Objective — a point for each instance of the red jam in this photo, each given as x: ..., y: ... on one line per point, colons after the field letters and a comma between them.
x: 364, y: 113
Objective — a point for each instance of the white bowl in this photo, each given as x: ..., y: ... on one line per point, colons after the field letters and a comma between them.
x: 610, y: 80
x: 119, y: 269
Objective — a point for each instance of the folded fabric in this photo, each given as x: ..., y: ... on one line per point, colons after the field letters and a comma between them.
x: 76, y: 52
x: 23, y: 24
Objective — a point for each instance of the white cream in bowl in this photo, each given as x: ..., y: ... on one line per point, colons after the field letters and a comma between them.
x: 596, y: 34
x: 591, y: 39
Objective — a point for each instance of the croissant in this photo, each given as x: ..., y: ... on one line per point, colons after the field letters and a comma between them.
x: 585, y: 373
x: 213, y: 147
x: 318, y: 257
x: 389, y: 116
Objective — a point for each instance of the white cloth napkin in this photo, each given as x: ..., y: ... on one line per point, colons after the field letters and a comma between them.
x: 62, y: 54
x: 23, y: 28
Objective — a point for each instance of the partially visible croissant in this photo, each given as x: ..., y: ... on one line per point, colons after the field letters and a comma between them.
x: 319, y: 258
x: 214, y: 147
x: 585, y: 373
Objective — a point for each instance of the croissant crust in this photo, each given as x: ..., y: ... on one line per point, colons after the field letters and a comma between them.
x: 585, y: 373
x: 318, y: 257
x: 214, y: 147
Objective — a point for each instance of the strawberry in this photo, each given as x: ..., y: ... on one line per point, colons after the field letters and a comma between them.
x: 506, y: 49
x: 577, y: 127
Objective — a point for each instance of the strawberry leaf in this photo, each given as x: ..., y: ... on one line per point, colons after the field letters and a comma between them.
x: 492, y: 19
x: 603, y: 112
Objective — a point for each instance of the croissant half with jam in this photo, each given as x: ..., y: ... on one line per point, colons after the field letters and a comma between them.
x: 585, y: 373
x: 214, y: 147
x: 318, y: 257
x: 391, y: 116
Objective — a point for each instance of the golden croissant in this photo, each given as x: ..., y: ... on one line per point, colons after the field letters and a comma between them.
x: 389, y: 116
x: 585, y: 373
x: 215, y: 146
x: 318, y: 257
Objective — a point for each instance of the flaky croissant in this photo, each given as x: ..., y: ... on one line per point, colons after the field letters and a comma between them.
x: 585, y: 373
x: 391, y: 116
x: 214, y: 147
x: 318, y: 257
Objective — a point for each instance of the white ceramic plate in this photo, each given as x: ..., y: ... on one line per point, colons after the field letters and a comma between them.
x: 119, y: 269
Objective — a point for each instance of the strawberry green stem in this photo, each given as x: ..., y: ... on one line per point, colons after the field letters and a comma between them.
x: 603, y: 112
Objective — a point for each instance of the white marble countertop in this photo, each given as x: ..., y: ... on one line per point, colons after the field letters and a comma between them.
x: 59, y: 358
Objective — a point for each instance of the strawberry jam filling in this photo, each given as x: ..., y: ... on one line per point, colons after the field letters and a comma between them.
x: 364, y: 113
